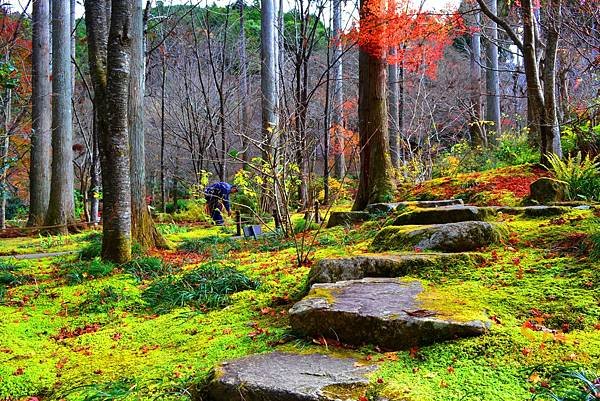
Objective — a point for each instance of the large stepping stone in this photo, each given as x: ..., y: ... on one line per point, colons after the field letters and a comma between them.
x: 548, y: 190
x: 442, y: 215
x: 452, y: 237
x: 347, y: 218
x: 290, y: 377
x: 373, y: 265
x: 534, y: 211
x: 390, y: 207
x: 391, y: 313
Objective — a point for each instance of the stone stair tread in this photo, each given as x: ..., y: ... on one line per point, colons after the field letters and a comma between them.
x: 279, y: 376
x: 330, y: 270
x: 388, y: 312
x: 463, y: 236
x: 390, y: 207
x: 442, y: 215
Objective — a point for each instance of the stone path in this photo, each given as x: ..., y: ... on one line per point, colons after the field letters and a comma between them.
x: 38, y: 255
x: 368, y: 299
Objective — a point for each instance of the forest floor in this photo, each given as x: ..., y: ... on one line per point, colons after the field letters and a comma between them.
x: 79, y: 329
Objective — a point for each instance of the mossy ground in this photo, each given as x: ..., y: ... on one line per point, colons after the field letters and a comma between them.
x: 540, y: 288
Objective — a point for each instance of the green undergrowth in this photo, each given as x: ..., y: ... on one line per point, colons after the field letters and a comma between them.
x: 79, y: 329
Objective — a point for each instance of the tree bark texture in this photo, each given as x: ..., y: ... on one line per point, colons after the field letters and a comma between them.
x: 61, y: 206
x: 492, y: 113
x: 375, y: 181
x: 393, y: 116
x: 39, y: 173
x: 143, y: 231
x: 476, y: 128
x: 339, y: 159
x: 269, y: 104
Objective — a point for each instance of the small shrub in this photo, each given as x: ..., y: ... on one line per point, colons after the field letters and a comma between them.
x: 581, y: 173
x: 574, y: 386
x: 214, y: 245
x: 147, y: 268
x: 206, y: 287
x: 93, y: 249
x: 9, y: 277
x: 78, y: 272
x: 171, y: 228
x: 302, y: 225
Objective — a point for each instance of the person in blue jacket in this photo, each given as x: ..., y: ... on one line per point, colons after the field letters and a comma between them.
x: 217, y: 199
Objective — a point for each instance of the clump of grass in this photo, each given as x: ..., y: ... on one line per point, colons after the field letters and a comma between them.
x: 78, y: 272
x: 9, y: 277
x: 109, y: 391
x: 207, y: 287
x: 214, y: 245
x: 274, y: 242
x: 147, y: 268
x: 171, y: 228
x: 107, y: 298
x: 94, y: 248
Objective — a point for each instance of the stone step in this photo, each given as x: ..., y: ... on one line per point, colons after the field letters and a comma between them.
x: 347, y: 218
x: 533, y: 211
x: 375, y: 265
x: 443, y: 215
x: 390, y: 207
x: 452, y: 237
x: 391, y: 313
x: 290, y: 377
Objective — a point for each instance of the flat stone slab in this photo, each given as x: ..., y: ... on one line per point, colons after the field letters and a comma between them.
x: 390, y: 207
x: 387, y: 312
x: 373, y: 265
x: 452, y: 237
x: 534, y: 211
x: 290, y: 377
x: 346, y: 218
x: 442, y: 215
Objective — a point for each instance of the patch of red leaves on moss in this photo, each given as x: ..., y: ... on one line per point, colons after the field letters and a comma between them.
x: 76, y: 332
x: 178, y: 258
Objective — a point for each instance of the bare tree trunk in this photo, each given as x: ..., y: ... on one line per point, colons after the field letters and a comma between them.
x: 143, y: 230
x: 376, y: 184
x: 163, y: 190
x: 339, y: 162
x: 95, y: 173
x: 492, y: 74
x: 39, y: 173
x: 4, y: 148
x: 61, y: 206
x: 394, y: 126
x: 269, y: 78
x: 245, y: 89
x: 478, y: 136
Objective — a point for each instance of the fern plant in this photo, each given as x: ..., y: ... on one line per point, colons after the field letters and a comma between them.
x: 582, y: 174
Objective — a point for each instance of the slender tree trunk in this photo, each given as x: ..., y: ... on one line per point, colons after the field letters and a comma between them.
x: 6, y: 113
x: 95, y: 173
x: 269, y: 78
x: 478, y: 136
x: 61, y: 206
x: 163, y: 190
x: 492, y: 74
x: 339, y: 162
x: 39, y: 173
x: 327, y: 133
x: 143, y: 230
x: 245, y: 89
x: 401, y: 139
x: 394, y: 131
x: 376, y: 184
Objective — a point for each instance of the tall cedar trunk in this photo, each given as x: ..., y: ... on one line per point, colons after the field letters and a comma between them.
x: 492, y: 80
x: 61, y: 206
x: 401, y: 140
x: 245, y: 89
x: 5, y: 112
x: 339, y: 160
x: 394, y: 131
x: 143, y: 230
x: 327, y: 130
x: 95, y: 173
x: 375, y: 184
x: 116, y: 243
x: 163, y: 190
x: 478, y: 137
x: 41, y: 88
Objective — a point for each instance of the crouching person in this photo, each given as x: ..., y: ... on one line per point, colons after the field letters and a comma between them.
x: 217, y: 199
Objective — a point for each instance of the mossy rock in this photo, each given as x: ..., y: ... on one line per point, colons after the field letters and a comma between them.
x: 547, y: 190
x: 464, y: 236
x: 281, y: 376
x: 442, y: 215
x: 534, y: 211
x: 347, y: 218
x: 389, y: 312
x: 373, y: 265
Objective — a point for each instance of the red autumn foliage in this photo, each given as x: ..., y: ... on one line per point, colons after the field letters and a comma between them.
x: 418, y: 37
x: 65, y: 333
